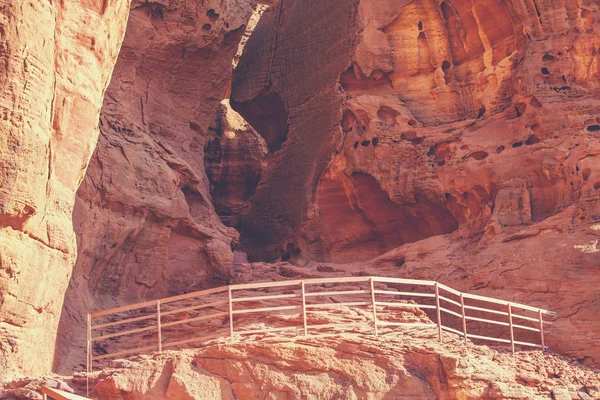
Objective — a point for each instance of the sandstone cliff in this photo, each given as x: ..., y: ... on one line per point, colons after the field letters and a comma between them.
x: 448, y: 140
x: 56, y: 59
x: 459, y: 136
x: 144, y: 218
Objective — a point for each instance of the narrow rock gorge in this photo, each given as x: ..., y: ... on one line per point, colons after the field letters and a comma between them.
x: 152, y: 149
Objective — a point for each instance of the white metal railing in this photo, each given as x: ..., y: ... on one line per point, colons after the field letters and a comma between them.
x: 375, y: 293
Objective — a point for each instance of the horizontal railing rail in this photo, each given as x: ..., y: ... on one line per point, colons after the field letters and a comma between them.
x: 377, y: 294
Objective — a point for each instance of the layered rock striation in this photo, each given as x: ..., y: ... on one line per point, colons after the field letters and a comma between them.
x: 56, y: 59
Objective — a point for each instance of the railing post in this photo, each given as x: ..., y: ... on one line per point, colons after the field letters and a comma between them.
x: 464, y: 316
x: 374, y: 306
x: 439, y: 314
x: 541, y: 329
x: 510, y: 324
x: 304, y: 307
x: 158, y: 325
x: 89, y: 354
x: 230, y: 314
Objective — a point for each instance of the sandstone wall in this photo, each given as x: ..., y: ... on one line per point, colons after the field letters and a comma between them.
x: 144, y: 219
x: 463, y: 134
x: 56, y: 59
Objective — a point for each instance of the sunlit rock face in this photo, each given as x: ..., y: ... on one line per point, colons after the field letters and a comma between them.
x: 144, y: 218
x: 461, y: 136
x: 56, y: 59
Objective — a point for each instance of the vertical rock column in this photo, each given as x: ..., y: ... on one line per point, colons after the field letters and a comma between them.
x: 56, y: 59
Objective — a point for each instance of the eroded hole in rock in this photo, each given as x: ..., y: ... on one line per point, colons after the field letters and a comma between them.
x: 593, y: 128
x: 267, y: 114
x: 420, y: 25
x: 354, y: 79
x: 360, y: 221
x: 478, y: 155
x: 439, y: 153
x: 356, y: 144
x: 206, y: 27
x: 348, y: 121
x: 545, y: 71
x: 535, y: 103
x: 517, y: 144
x: 586, y: 173
x: 500, y: 149
x: 481, y: 112
x: 212, y: 15
x: 532, y: 140
x: 291, y: 253
x: 375, y: 141
x: 157, y: 13
x: 447, y: 73
x: 548, y: 57
x: 597, y: 185
x: 365, y: 143
x: 387, y: 115
x: 520, y: 108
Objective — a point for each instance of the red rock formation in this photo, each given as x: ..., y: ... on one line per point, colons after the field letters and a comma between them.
x: 56, y: 59
x: 391, y: 124
x: 398, y: 365
x: 145, y: 223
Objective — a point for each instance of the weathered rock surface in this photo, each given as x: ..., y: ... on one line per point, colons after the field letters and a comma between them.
x: 462, y: 134
x: 145, y: 222
x: 344, y: 366
x: 56, y: 59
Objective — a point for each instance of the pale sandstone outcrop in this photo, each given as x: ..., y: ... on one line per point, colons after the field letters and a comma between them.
x: 56, y: 59
x: 459, y: 136
x: 409, y: 365
x: 144, y: 218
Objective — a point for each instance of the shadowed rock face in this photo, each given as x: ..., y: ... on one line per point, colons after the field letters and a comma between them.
x: 278, y: 76
x: 233, y: 159
x: 144, y: 218
x: 411, y: 120
x: 56, y: 59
